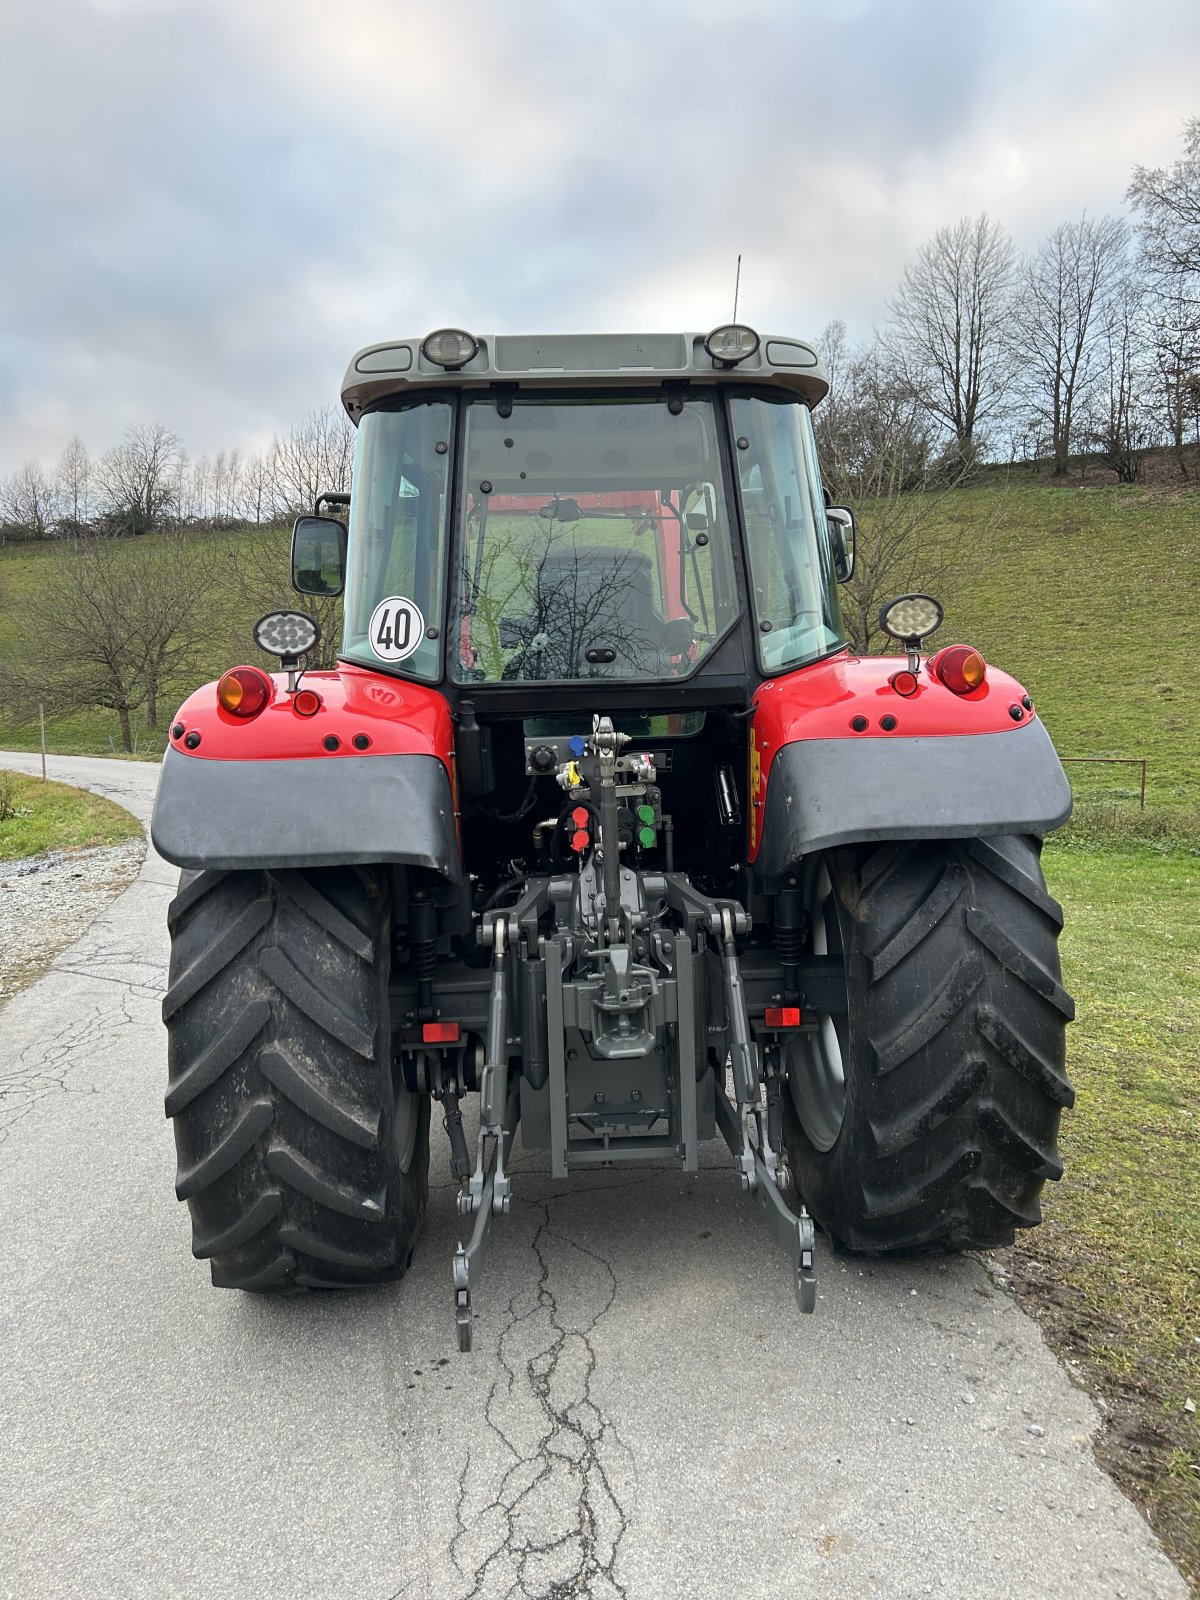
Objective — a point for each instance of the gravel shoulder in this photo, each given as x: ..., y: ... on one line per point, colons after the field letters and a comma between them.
x: 49, y: 901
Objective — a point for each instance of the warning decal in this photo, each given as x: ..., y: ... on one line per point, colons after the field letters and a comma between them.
x: 396, y: 629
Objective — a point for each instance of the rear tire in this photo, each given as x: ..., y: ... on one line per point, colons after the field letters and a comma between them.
x: 934, y: 1118
x: 302, y: 1155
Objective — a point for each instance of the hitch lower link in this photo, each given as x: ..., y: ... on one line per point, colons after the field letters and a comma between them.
x: 760, y: 1169
x: 488, y: 1193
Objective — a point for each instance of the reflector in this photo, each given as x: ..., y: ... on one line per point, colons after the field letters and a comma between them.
x: 439, y: 1032
x: 782, y: 1016
x: 306, y: 703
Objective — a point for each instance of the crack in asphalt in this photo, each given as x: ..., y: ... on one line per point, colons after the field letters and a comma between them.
x: 45, y: 1065
x: 552, y: 1523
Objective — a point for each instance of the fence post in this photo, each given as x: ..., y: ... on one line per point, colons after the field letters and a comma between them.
x: 42, y: 728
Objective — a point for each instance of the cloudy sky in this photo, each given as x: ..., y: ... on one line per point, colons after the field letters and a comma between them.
x: 207, y: 205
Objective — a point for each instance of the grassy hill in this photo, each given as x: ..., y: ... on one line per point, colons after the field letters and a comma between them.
x: 1088, y: 595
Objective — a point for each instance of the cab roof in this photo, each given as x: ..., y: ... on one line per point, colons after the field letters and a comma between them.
x: 580, y: 360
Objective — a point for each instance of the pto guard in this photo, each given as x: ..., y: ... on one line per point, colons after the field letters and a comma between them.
x: 828, y: 792
x: 234, y: 815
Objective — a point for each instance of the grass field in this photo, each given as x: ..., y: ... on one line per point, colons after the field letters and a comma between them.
x: 37, y: 816
x: 1088, y: 595
x: 1114, y: 1271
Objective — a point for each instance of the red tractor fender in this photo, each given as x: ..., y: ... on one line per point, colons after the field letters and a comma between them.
x: 369, y: 776
x: 838, y: 755
x: 393, y: 717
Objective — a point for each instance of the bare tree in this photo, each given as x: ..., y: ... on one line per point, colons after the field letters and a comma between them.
x: 256, y: 490
x: 255, y: 577
x: 77, y: 638
x: 194, y: 501
x: 74, y: 481
x: 316, y: 455
x: 226, y: 484
x: 173, y: 593
x: 877, y: 449
x: 1062, y: 291
x: 946, y: 338
x: 1167, y: 200
x: 28, y: 501
x: 1176, y: 339
x: 1120, y: 424
x: 140, y: 479
x: 108, y: 626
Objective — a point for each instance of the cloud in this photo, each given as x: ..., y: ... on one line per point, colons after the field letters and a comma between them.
x: 207, y: 206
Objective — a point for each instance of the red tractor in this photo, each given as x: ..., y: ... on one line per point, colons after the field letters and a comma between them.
x: 600, y: 819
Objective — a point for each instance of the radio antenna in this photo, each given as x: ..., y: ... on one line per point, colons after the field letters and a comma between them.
x: 737, y: 283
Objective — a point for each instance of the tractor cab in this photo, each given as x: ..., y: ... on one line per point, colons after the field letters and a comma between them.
x: 638, y: 526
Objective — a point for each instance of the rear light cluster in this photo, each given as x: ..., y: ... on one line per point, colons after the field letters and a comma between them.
x: 960, y: 668
x: 244, y: 691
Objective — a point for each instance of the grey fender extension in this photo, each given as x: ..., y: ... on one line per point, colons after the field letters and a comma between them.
x: 314, y: 812
x: 827, y: 792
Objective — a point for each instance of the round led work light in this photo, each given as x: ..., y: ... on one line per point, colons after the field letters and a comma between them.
x: 286, y: 633
x: 450, y: 348
x: 911, y: 617
x: 731, y: 343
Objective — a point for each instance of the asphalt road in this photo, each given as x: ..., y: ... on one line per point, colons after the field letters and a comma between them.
x: 645, y: 1412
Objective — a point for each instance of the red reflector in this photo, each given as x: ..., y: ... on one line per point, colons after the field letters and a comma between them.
x: 306, y: 703
x: 439, y: 1032
x: 904, y: 683
x: 782, y: 1017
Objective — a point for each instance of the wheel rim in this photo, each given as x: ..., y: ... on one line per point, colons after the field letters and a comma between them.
x: 405, y: 1119
x: 816, y: 1061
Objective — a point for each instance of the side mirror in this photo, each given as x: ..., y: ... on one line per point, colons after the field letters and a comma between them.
x: 840, y: 521
x: 318, y: 555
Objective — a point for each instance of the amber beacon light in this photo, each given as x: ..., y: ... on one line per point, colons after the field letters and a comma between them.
x: 244, y: 691
x: 960, y: 668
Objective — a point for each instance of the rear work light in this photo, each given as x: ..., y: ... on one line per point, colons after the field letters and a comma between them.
x: 782, y: 1016
x: 960, y: 668
x: 244, y: 691
x: 450, y: 348
x: 731, y: 343
x: 439, y: 1033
